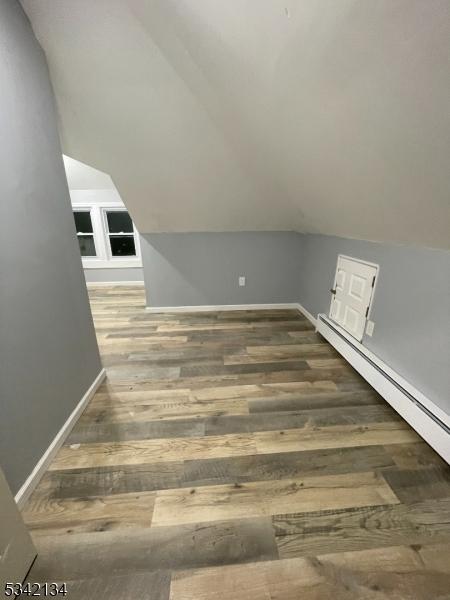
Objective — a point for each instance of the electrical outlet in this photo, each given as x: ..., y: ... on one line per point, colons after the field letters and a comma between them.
x: 241, y: 281
x: 369, y: 327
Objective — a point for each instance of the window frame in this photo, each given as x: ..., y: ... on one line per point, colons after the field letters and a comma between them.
x: 105, y: 210
x: 80, y: 209
x: 104, y: 258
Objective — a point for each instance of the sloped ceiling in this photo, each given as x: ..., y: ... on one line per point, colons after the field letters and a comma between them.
x: 328, y: 116
x: 83, y: 177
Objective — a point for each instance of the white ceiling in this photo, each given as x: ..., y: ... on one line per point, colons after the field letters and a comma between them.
x: 328, y: 116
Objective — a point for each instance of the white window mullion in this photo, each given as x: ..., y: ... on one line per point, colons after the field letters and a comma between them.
x: 99, y: 233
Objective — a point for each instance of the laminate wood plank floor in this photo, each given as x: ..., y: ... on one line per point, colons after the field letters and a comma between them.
x: 236, y: 456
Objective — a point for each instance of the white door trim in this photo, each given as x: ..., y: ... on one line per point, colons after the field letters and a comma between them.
x: 373, y: 287
x: 17, y: 551
x: 359, y: 260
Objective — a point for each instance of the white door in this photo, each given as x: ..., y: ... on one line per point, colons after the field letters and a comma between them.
x: 16, y: 548
x: 351, y: 294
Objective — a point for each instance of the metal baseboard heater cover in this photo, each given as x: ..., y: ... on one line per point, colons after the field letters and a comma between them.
x: 430, y: 422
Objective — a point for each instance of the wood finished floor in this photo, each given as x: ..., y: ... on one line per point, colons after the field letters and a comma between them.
x: 235, y: 455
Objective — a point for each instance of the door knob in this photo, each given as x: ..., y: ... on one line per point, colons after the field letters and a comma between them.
x: 333, y: 292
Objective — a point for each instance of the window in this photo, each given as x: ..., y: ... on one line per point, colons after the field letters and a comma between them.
x: 106, y: 236
x: 120, y: 233
x: 85, y: 232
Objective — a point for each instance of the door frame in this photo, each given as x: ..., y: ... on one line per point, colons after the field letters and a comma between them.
x: 363, y: 262
x: 17, y: 550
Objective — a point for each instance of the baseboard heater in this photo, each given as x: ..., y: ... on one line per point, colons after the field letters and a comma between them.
x: 430, y: 422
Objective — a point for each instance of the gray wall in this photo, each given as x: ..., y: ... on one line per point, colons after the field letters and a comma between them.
x: 48, y: 351
x: 102, y: 275
x: 411, y: 306
x: 182, y: 269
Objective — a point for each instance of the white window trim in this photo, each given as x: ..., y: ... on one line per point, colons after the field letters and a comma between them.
x: 79, y: 234
x: 135, y: 234
x: 104, y: 260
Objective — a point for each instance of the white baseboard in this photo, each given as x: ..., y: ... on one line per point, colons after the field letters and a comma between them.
x: 307, y: 314
x: 33, y: 479
x: 112, y: 283
x: 430, y: 422
x: 214, y: 307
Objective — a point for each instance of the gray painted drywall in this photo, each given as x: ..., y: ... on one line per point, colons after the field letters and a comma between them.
x: 104, y: 275
x: 48, y: 351
x: 410, y: 309
x: 411, y: 306
x: 185, y: 269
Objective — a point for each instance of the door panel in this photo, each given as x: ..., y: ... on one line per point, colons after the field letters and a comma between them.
x: 352, y: 293
x: 17, y: 551
x: 356, y: 287
x: 340, y: 279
